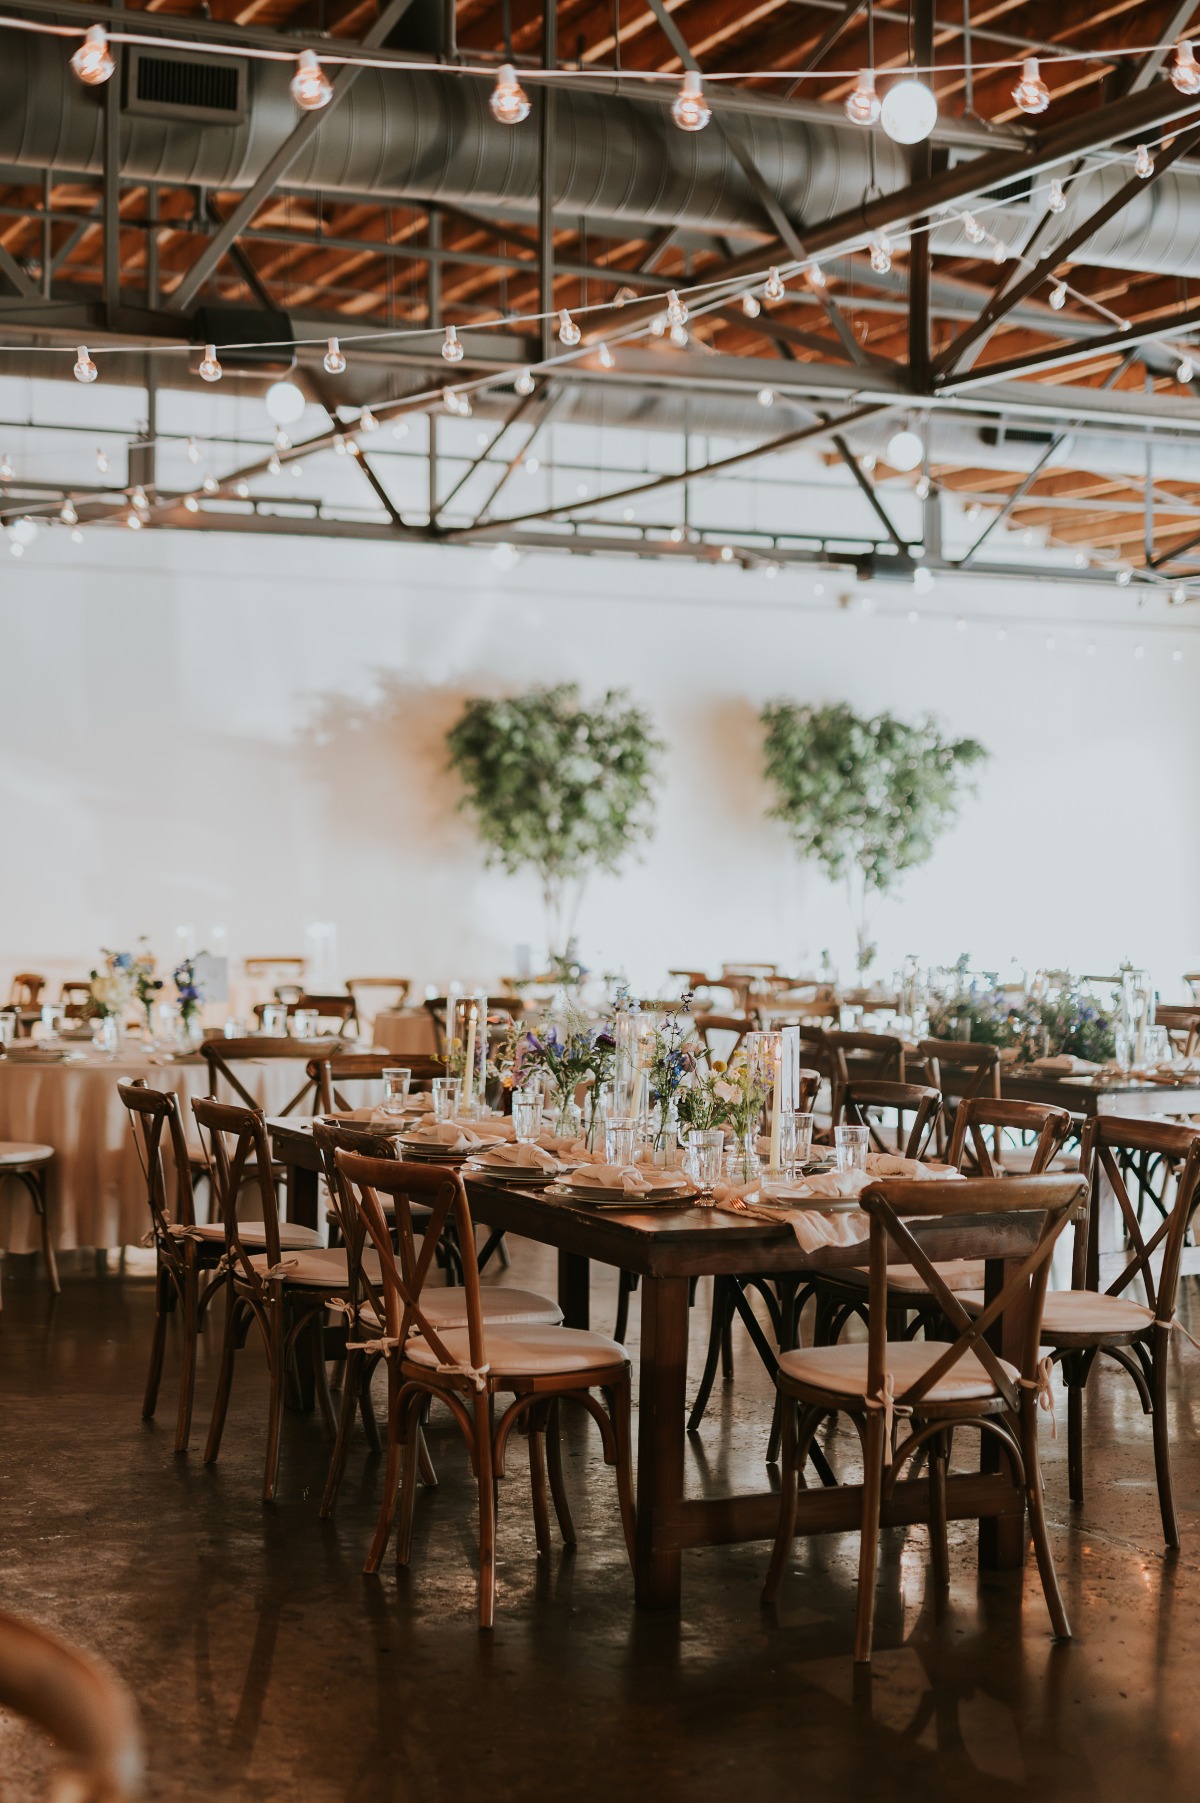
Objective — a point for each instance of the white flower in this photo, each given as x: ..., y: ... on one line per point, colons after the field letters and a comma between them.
x: 728, y: 1092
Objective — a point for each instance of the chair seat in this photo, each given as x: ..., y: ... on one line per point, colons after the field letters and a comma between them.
x: 1069, y: 1313
x: 956, y: 1274
x: 500, y: 1307
x: 322, y: 1268
x: 291, y: 1238
x: 841, y: 1371
x: 526, y: 1351
x: 24, y: 1152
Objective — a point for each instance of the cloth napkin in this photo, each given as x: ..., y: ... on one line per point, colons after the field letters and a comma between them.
x: 518, y: 1157
x: 635, y: 1180
x: 497, y: 1127
x: 448, y: 1134
x: 1065, y: 1065
x: 812, y: 1227
x: 890, y: 1164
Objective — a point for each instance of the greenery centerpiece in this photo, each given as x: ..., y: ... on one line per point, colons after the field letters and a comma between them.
x: 867, y: 798
x: 190, y: 994
x: 567, y: 1051
x: 112, y: 986
x: 1064, y: 1017
x: 558, y: 786
x: 676, y: 1053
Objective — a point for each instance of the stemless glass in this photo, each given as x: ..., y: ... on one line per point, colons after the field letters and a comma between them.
x: 447, y: 1093
x: 305, y: 1022
x: 396, y: 1081
x: 8, y: 1028
x: 526, y: 1115
x: 795, y: 1139
x: 704, y: 1156
x: 620, y: 1141
x: 851, y: 1145
x: 52, y: 1018
x: 274, y: 1020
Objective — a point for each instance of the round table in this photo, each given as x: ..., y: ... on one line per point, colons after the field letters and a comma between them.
x: 407, y: 1031
x: 96, y: 1191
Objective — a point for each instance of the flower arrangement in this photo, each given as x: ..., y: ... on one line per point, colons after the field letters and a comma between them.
x: 189, y: 991
x: 146, y: 986
x: 990, y: 1015
x: 1066, y: 1018
x: 569, y: 1051
x: 676, y: 1054
x: 113, y: 985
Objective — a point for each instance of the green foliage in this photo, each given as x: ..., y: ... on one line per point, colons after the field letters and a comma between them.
x: 870, y: 796
x: 1067, y: 1018
x: 555, y: 784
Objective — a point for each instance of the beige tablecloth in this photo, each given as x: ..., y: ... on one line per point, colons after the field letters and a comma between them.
x: 97, y: 1195
x: 407, y: 1030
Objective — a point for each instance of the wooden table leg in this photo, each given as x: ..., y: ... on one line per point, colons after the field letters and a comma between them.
x: 661, y: 1440
x: 302, y: 1196
x: 575, y: 1289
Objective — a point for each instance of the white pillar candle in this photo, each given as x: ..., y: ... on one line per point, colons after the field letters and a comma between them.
x: 777, y: 1108
x: 469, y: 1069
x: 451, y: 997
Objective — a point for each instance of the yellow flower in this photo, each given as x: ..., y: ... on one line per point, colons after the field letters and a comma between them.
x: 719, y: 1065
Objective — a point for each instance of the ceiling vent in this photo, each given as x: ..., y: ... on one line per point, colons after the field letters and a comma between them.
x: 999, y: 435
x: 180, y: 84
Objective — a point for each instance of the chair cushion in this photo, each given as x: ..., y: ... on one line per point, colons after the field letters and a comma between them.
x: 956, y: 1274
x: 842, y: 1370
x: 17, y: 1151
x: 1080, y: 1312
x: 445, y: 1308
x: 528, y: 1351
x: 322, y: 1268
x: 291, y: 1237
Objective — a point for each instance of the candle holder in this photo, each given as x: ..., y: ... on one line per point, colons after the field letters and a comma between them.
x: 467, y: 1049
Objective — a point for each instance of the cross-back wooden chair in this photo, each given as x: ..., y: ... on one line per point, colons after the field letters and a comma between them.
x: 1044, y: 1128
x: 723, y: 1028
x: 81, y: 1705
x: 25, y: 990
x: 328, y: 1069
x: 977, y: 1068
x: 284, y: 1294
x: 869, y: 1056
x: 1182, y: 1026
x: 467, y: 1367
x: 336, y: 1012
x: 861, y: 1100
x: 76, y: 999
x: 1085, y: 1323
x: 910, y: 1396
x: 221, y: 1055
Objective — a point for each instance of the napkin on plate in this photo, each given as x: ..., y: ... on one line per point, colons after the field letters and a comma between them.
x: 511, y: 1156
x: 635, y: 1180
x: 489, y: 1129
x: 890, y: 1164
x: 449, y: 1135
x: 813, y: 1227
x: 1063, y: 1064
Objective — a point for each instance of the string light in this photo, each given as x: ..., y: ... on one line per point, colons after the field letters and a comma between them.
x: 242, y: 491
x: 1185, y: 371
x: 525, y: 383
x: 1031, y: 93
x: 67, y: 513
x: 85, y: 369
x: 658, y: 325
x: 334, y: 360
x: 999, y: 251
x: 1057, y: 199
x: 1124, y: 576
x: 191, y: 503
x: 766, y: 397
x: 689, y: 109
x: 367, y: 421
x: 400, y: 429
x: 881, y: 255
x: 193, y: 451
x: 92, y: 62
x: 974, y: 231
x: 1143, y: 163
x: 1058, y: 296
x: 814, y: 275
x: 867, y: 462
x: 921, y: 488
x: 211, y: 486
x: 311, y: 87
x: 6, y: 468
x: 606, y: 358
x: 509, y: 102
x: 909, y: 112
x: 452, y: 350
x: 102, y: 464
x: 274, y: 467
x: 284, y: 403
x: 679, y: 335
x: 138, y: 497
x: 134, y: 521
x: 339, y: 445
x: 1179, y: 594
x: 210, y: 369
x: 862, y: 106
x: 751, y: 306
x: 773, y: 287
x: 676, y: 311
x: 1185, y: 71
x: 282, y: 441
x: 568, y: 331
x: 906, y: 449
x: 449, y: 400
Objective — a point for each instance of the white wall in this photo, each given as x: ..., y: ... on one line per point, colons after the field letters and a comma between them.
x: 248, y: 732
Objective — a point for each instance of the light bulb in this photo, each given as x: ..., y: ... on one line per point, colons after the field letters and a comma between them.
x: 191, y: 504
x: 814, y: 275
x: 452, y: 350
x: 297, y: 470
x: 774, y: 289
x: 85, y: 369
x: 1185, y: 71
x: 679, y: 335
x: 658, y: 325
x: 6, y: 469
x: 921, y: 488
x: 766, y: 397
x: 509, y: 101
x: 284, y: 403
x: 67, y: 513
x: 568, y: 331
x: 689, y: 109
x: 242, y: 491
x: 862, y: 106
x: 905, y: 450
x: 974, y: 231
x: 973, y: 510
x: 367, y: 421
x: 449, y: 400
x: 1143, y: 163
x: 1058, y: 296
x: 273, y: 464
x: 1031, y: 93
x: 606, y: 358
x: 339, y: 444
x: 909, y: 112
x: 525, y: 383
x: 210, y: 369
x: 193, y: 451
x: 1179, y: 595
x: 400, y: 429
x: 134, y: 522
x: 726, y: 553
x: 464, y: 406
x: 91, y: 62
x: 102, y: 464
x: 138, y: 497
x: 999, y: 251
x: 676, y: 311
x: 881, y: 255
x: 867, y: 461
x: 24, y: 530
x: 1124, y: 576
x: 210, y: 485
x: 282, y: 441
x: 311, y: 87
x: 334, y: 360
x: 751, y: 306
x: 1186, y: 370
x: 77, y: 539
x: 1057, y: 199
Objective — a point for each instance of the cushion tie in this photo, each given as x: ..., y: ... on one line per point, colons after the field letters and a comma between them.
x: 382, y: 1346
x: 477, y: 1378
x: 1044, y: 1389
x: 891, y: 1409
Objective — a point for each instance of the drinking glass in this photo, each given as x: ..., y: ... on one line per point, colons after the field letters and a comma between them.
x: 106, y: 1035
x: 704, y: 1156
x: 526, y: 1115
x: 795, y: 1139
x: 1156, y: 1047
x: 396, y: 1081
x: 8, y: 1028
x: 851, y: 1145
x: 232, y: 1028
x: 447, y: 1093
x: 620, y: 1141
x: 304, y: 1023
x: 52, y: 1018
x: 274, y: 1020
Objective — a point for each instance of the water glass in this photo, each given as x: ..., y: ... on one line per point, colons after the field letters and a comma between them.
x: 106, y: 1035
x: 620, y: 1141
x: 304, y: 1023
x: 52, y: 1018
x: 851, y: 1145
x: 447, y: 1094
x: 795, y: 1139
x: 274, y: 1020
x: 8, y: 1028
x: 232, y: 1028
x: 396, y: 1081
x: 703, y: 1158
x: 526, y: 1115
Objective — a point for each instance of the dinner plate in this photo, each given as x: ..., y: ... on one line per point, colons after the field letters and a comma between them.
x: 431, y: 1154
x: 522, y: 1176
x: 611, y: 1198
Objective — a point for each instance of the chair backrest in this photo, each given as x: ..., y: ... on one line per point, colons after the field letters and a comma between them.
x: 979, y: 1117
x: 78, y: 993
x: 1112, y: 1145
x: 331, y: 1137
x: 80, y: 1704
x: 710, y: 1026
x: 1182, y: 1025
x: 328, y: 1069
x: 502, y: 1009
x: 860, y: 1097
x: 978, y: 1218
x: 239, y: 1156
x: 979, y: 1063
x: 26, y: 988
x: 151, y: 1111
x: 342, y: 1009
x: 222, y: 1054
x: 406, y: 1270
x: 874, y: 1054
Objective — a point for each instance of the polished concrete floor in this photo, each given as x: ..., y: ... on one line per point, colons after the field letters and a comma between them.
x: 267, y: 1666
